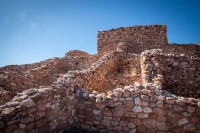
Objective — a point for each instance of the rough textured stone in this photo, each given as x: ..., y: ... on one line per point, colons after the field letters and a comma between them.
x: 123, y: 123
x: 182, y: 121
x: 159, y: 104
x: 147, y: 110
x: 158, y: 111
x: 149, y: 123
x: 132, y: 131
x: 30, y: 92
x: 189, y: 127
x: 19, y: 131
x: 170, y: 100
x: 129, y: 104
x: 145, y: 97
x: 39, y: 115
x: 96, y: 112
x: 137, y: 108
x: 28, y: 103
x: 119, y: 112
x: 138, y: 101
x: 131, y: 125
x: 162, y: 126
x: 137, y: 121
x: 105, y: 122
x: 190, y: 109
x: 28, y: 119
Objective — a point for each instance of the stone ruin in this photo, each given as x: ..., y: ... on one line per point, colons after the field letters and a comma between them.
x: 136, y: 83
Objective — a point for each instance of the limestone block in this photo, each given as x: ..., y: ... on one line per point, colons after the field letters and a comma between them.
x: 114, y: 123
x: 159, y: 104
x: 131, y: 125
x: 129, y: 104
x: 149, y: 123
x: 106, y: 122
x: 30, y: 92
x: 118, y: 113
x: 145, y: 97
x: 142, y: 115
x: 162, y: 126
x: 118, y: 92
x: 137, y: 108
x: 117, y: 128
x: 159, y: 111
x: 138, y: 101
x: 170, y: 100
x: 132, y: 131
x: 55, y: 106
x: 107, y: 113
x: 19, y: 131
x: 147, y: 110
x: 12, y: 104
x: 182, y: 121
x: 28, y: 103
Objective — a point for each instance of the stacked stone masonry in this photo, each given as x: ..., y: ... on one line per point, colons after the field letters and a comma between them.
x: 136, y: 83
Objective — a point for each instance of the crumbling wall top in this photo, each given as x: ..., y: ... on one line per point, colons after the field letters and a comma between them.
x: 139, y: 38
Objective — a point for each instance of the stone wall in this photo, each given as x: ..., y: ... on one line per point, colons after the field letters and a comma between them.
x: 186, y: 49
x: 39, y: 111
x: 114, y: 69
x: 139, y: 38
x: 138, y: 109
x: 181, y: 74
x: 135, y: 108
x: 17, y: 78
x: 124, y: 88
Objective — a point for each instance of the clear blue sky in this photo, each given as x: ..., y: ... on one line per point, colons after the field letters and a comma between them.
x: 34, y: 30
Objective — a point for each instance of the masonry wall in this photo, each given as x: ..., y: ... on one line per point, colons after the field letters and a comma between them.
x: 114, y: 69
x: 17, y: 78
x: 138, y: 109
x: 133, y: 108
x: 185, y: 49
x: 139, y: 38
x: 181, y: 74
x: 39, y: 110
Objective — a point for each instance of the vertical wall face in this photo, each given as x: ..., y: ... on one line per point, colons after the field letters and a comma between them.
x: 39, y: 110
x: 139, y: 37
x: 181, y: 74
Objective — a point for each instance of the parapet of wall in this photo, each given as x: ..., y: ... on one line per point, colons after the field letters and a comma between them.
x: 186, y: 49
x: 181, y: 74
x: 139, y: 37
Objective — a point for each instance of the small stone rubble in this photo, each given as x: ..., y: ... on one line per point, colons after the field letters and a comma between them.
x: 135, y: 84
